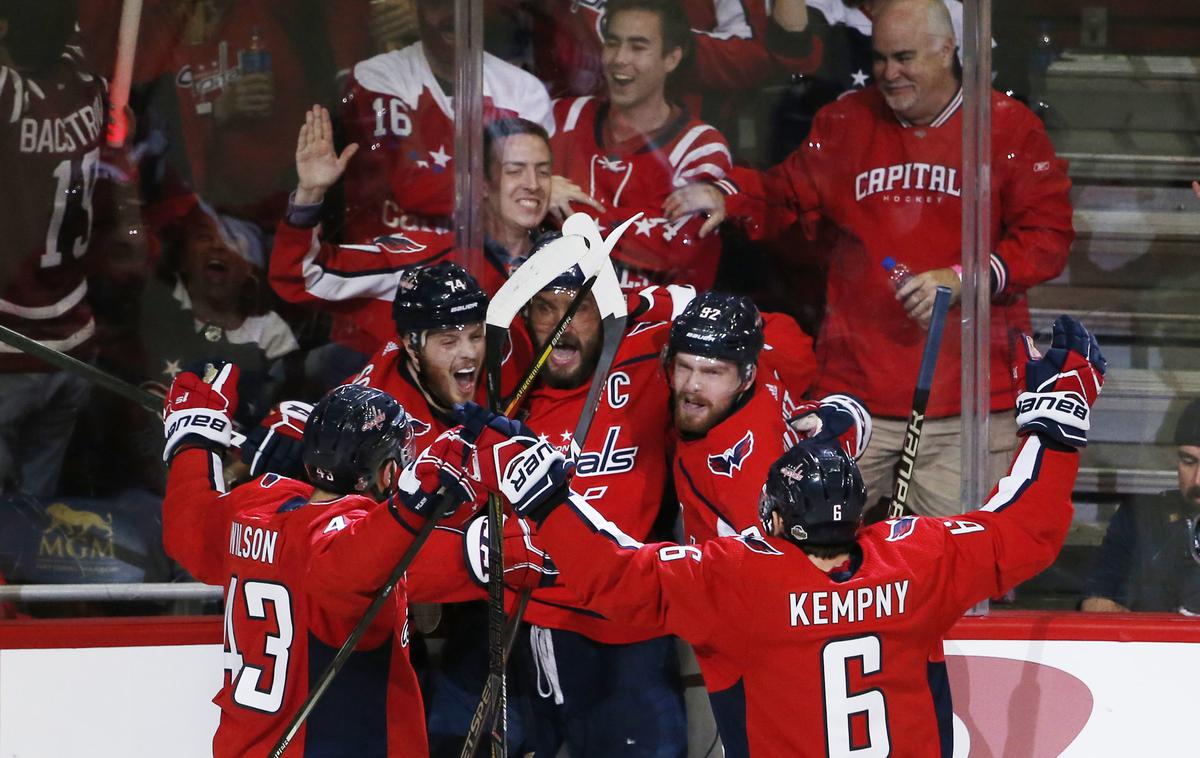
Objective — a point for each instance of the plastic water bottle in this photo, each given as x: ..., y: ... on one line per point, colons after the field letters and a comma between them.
x: 1043, y: 50
x: 256, y: 59
x: 898, y: 273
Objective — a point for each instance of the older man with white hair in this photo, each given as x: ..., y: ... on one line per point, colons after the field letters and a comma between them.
x: 879, y: 183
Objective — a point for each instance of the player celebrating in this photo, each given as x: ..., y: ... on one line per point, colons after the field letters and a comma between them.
x: 636, y: 151
x: 732, y: 409
x: 301, y: 562
x: 824, y: 609
x: 604, y: 683
x: 433, y: 361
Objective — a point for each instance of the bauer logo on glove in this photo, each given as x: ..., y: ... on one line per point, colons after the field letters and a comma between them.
x: 524, y: 478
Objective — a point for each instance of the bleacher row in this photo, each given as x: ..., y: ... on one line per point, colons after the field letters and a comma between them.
x: 1127, y: 124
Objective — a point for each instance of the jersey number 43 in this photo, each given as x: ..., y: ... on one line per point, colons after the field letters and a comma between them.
x: 248, y: 681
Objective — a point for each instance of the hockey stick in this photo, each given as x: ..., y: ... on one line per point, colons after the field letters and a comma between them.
x: 916, y: 421
x: 504, y: 302
x: 610, y: 301
x: 136, y: 395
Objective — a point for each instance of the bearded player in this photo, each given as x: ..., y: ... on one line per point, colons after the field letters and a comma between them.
x: 824, y: 610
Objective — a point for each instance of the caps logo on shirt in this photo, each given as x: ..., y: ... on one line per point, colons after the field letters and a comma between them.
x: 724, y: 464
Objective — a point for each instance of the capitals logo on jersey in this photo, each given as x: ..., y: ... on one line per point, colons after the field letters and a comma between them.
x: 724, y: 464
x: 399, y: 244
x: 418, y: 426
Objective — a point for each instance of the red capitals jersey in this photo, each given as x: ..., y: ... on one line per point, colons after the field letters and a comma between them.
x: 622, y: 466
x: 637, y: 176
x: 728, y: 36
x: 357, y: 283
x: 403, y: 122
x: 887, y: 188
x: 718, y: 477
x: 53, y: 126
x: 298, y: 577
x: 850, y: 648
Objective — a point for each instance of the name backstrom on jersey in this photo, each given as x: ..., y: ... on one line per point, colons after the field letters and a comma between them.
x: 848, y: 607
x: 63, y: 135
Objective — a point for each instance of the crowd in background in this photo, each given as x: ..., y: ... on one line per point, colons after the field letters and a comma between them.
x: 206, y: 233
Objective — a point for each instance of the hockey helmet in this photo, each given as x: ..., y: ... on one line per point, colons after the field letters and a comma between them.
x: 571, y: 279
x: 443, y: 296
x: 818, y: 492
x: 351, y: 432
x: 718, y: 325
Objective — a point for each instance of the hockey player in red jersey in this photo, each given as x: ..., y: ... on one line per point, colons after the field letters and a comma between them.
x: 732, y: 412
x: 399, y: 108
x: 634, y: 151
x: 827, y: 612
x: 302, y: 561
x: 357, y: 282
x: 53, y: 110
x: 880, y: 177
x: 605, y: 685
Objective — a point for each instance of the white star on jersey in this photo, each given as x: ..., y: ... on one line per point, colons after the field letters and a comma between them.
x: 646, y: 225
x: 441, y: 157
x: 566, y: 436
x: 860, y: 78
x: 172, y: 368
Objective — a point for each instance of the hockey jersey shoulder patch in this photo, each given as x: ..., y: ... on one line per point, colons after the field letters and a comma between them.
x: 726, y: 463
x: 901, y: 528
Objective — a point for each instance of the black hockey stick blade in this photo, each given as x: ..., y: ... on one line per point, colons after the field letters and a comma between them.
x: 916, y: 420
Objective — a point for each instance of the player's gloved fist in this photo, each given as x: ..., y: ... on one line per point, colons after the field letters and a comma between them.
x: 1057, y: 390
x: 276, y: 446
x: 526, y: 566
x: 513, y: 461
x: 839, y: 420
x: 442, y: 464
x: 200, y: 408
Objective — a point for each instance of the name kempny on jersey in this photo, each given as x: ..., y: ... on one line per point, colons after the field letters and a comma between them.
x: 252, y: 542
x: 929, y: 177
x: 63, y: 135
x: 849, y: 606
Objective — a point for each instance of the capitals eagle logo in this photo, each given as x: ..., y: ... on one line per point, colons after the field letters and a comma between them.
x: 724, y: 464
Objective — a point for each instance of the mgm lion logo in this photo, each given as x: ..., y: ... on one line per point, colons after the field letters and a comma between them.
x: 75, y: 523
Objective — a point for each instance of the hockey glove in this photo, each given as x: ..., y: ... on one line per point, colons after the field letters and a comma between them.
x: 513, y: 461
x: 276, y: 446
x: 526, y: 566
x: 442, y: 464
x: 1061, y: 387
x: 200, y: 409
x: 839, y: 420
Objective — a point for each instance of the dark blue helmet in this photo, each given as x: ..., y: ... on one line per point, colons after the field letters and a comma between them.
x: 444, y: 296
x: 818, y: 492
x: 718, y: 325
x: 351, y: 432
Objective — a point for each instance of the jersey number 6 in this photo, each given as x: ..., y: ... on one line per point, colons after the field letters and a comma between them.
x: 842, y: 708
x: 245, y: 677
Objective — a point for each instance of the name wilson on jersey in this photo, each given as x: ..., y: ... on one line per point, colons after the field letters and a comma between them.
x: 849, y: 607
x: 928, y: 177
x: 63, y: 135
x: 252, y: 542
